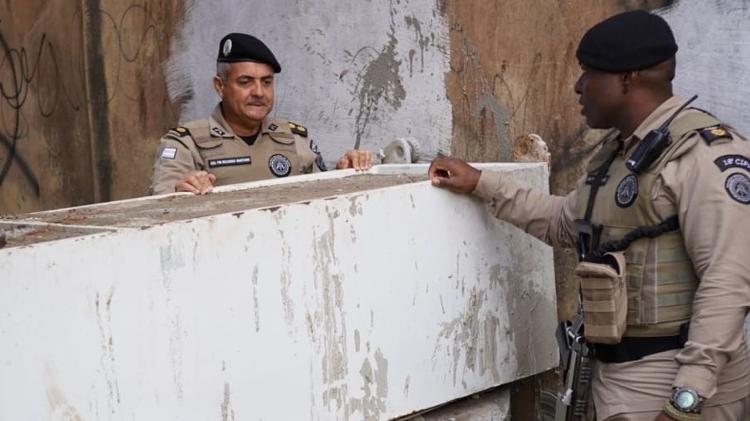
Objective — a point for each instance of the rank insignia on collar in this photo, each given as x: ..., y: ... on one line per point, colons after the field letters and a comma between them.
x: 714, y: 133
x: 298, y: 129
x: 272, y: 127
x: 218, y: 131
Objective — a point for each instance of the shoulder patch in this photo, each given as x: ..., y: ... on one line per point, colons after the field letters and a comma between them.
x: 737, y: 186
x: 726, y: 162
x: 298, y: 129
x: 714, y: 133
x: 181, y: 131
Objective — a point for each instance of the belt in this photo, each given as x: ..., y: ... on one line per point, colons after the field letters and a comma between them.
x: 634, y: 348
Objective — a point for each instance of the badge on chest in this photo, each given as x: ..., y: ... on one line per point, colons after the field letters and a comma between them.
x: 280, y: 165
x: 627, y: 191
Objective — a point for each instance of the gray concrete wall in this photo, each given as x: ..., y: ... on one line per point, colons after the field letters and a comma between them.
x: 362, y: 72
x: 714, y: 56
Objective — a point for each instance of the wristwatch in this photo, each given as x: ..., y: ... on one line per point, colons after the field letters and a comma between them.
x: 686, y: 400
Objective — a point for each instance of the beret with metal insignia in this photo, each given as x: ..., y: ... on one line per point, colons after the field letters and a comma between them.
x: 236, y: 47
x: 627, y: 42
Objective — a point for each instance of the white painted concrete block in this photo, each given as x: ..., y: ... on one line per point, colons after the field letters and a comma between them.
x: 368, y: 304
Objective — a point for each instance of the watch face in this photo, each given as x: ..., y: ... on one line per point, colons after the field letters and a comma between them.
x: 685, y: 400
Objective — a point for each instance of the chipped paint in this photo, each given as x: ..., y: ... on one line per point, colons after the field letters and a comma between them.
x: 256, y: 303
x: 227, y: 413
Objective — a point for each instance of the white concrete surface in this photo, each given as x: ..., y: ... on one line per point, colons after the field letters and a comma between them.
x: 367, y: 71
x: 364, y: 306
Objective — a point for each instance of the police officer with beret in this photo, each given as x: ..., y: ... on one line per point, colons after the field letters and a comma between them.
x: 664, y: 209
x: 239, y: 142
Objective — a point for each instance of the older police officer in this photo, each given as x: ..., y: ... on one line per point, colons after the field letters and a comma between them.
x: 239, y: 142
x: 667, y: 200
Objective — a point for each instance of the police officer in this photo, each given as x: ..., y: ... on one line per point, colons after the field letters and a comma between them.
x: 239, y: 142
x: 669, y: 188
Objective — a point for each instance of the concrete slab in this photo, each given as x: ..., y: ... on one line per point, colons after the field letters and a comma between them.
x: 369, y: 304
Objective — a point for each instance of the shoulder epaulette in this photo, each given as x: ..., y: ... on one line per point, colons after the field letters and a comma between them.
x: 181, y: 131
x: 714, y: 133
x: 298, y: 129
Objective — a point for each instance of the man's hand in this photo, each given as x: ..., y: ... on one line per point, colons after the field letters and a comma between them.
x: 453, y: 174
x: 359, y: 159
x: 196, y: 182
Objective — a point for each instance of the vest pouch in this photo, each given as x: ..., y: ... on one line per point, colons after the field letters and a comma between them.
x: 604, y: 297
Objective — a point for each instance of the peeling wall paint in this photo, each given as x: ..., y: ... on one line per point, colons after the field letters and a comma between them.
x: 355, y: 73
x: 191, y: 319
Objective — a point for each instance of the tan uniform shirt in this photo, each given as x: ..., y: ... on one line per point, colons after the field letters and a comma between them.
x: 281, y: 149
x: 708, y: 187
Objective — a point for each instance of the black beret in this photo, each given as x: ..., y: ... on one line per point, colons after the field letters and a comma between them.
x: 626, y: 42
x: 243, y: 47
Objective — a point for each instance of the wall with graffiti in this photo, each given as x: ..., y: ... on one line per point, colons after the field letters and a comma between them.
x: 82, y: 93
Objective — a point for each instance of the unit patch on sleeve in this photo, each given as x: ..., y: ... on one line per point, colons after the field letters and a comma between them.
x: 627, y: 191
x: 714, y: 133
x: 280, y: 165
x: 319, y: 157
x: 726, y: 162
x: 738, y: 187
x: 169, y: 153
x: 228, y: 162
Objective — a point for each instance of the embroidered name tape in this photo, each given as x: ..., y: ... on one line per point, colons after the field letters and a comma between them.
x: 227, y: 162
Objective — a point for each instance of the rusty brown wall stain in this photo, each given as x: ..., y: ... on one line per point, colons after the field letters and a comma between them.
x: 83, y: 99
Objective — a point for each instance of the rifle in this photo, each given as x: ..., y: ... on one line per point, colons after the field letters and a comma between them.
x: 575, y: 356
